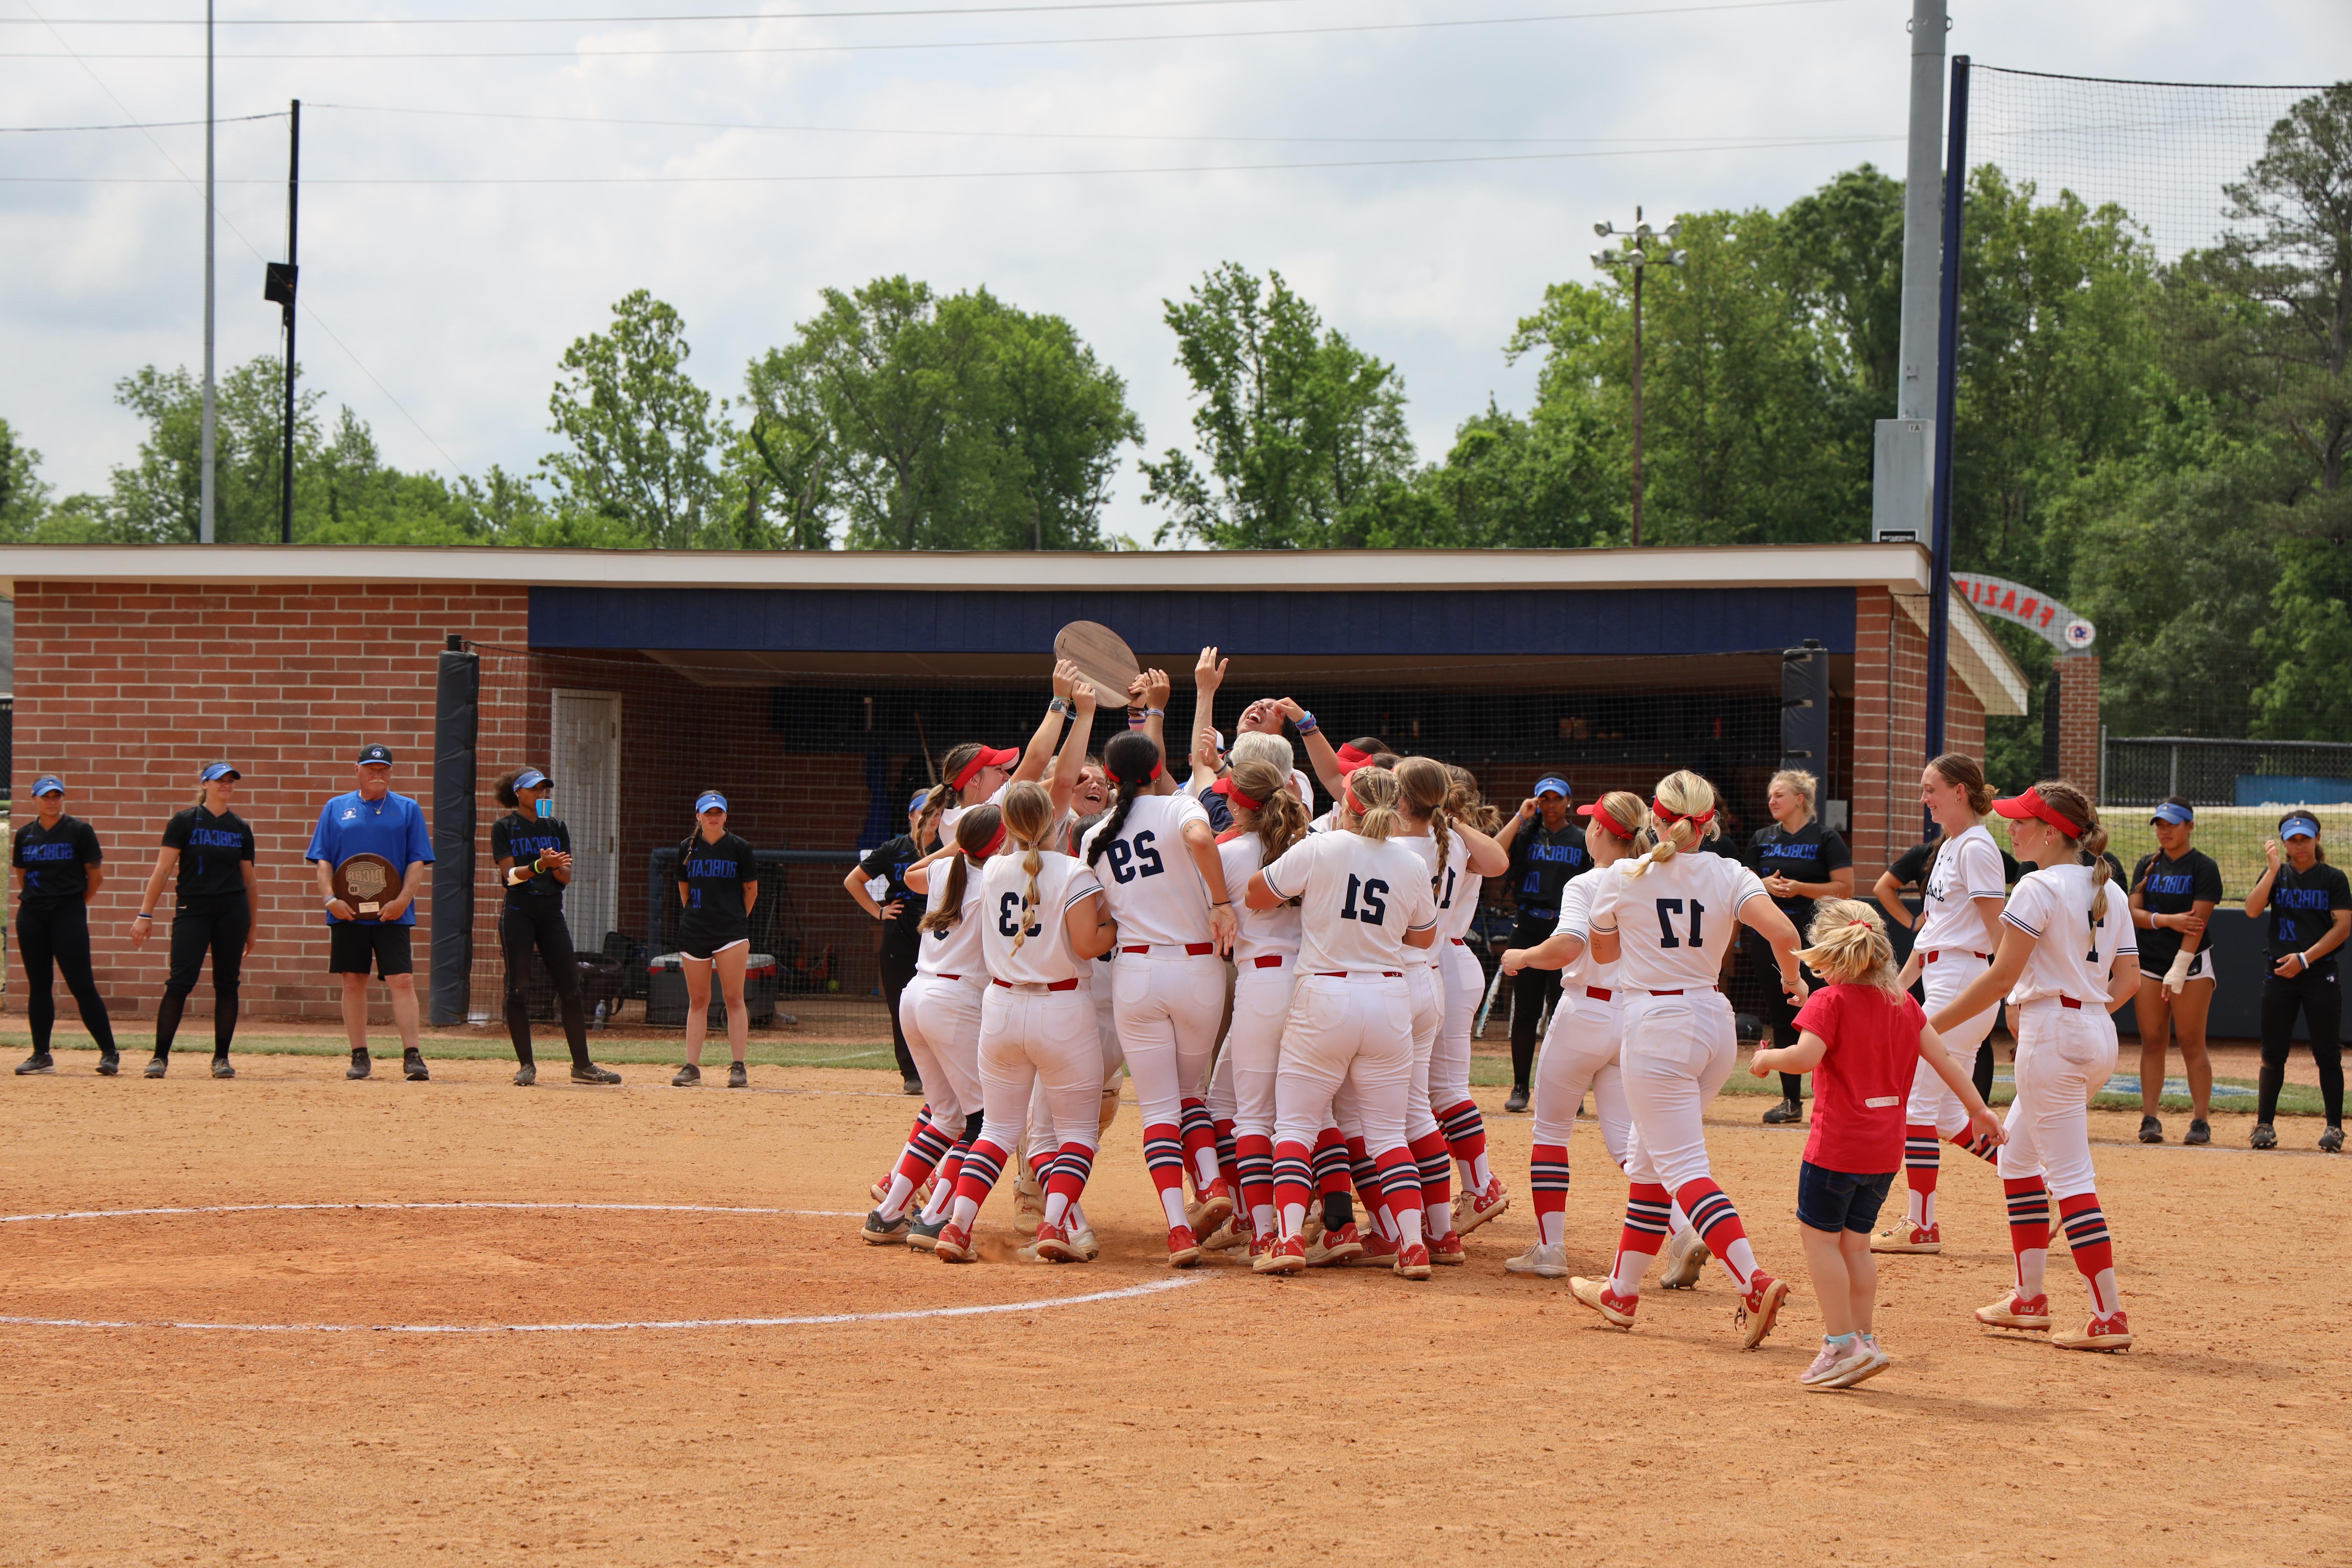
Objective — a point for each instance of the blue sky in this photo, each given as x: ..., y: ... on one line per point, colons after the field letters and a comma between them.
x: 1006, y: 161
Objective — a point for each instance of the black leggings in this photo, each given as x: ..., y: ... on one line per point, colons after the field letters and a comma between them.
x: 2317, y: 996
x: 1779, y: 1013
x: 898, y: 969
x: 1531, y: 990
x: 59, y: 936
x: 217, y: 926
x: 538, y: 922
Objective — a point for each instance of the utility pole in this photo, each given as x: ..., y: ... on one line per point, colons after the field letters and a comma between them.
x: 279, y: 289
x: 205, y: 486
x: 1634, y: 252
x: 1902, y: 477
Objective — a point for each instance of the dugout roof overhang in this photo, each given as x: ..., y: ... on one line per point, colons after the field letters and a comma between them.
x: 1448, y: 617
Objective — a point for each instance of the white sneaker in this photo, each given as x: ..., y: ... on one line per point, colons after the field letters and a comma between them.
x: 1836, y: 1364
x: 1545, y: 1262
x: 1681, y: 1261
x: 1879, y: 1362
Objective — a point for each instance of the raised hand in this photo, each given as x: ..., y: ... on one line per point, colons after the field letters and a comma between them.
x: 1209, y: 673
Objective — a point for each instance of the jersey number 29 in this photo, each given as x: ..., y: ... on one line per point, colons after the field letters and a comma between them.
x: 1128, y: 864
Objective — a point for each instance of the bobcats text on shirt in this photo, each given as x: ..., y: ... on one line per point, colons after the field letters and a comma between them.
x: 53, y: 859
x: 1358, y: 897
x: 213, y: 852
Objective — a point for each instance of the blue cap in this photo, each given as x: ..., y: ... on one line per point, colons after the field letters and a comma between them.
x: 2295, y: 827
x: 531, y: 778
x: 376, y: 752
x: 48, y: 783
x: 2169, y: 812
x: 1552, y: 783
x: 708, y: 799
x: 218, y: 771
x: 916, y: 804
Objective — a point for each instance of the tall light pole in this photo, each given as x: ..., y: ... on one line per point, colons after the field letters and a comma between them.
x: 1639, y: 249
x: 204, y: 487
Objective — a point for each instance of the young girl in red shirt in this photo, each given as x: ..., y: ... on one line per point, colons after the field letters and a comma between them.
x: 1861, y: 1035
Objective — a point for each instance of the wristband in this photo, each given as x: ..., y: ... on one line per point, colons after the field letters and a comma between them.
x: 1155, y: 712
x: 1305, y: 723
x: 1061, y: 705
x: 1135, y: 718
x: 142, y: 915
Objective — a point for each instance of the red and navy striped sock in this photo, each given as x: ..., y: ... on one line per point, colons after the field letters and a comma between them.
x: 1229, y: 1161
x: 1294, y: 1177
x: 1367, y: 1176
x: 1331, y: 1161
x: 1465, y: 1140
x: 1648, y: 1204
x: 2029, y: 1230
x: 1200, y: 1132
x: 1163, y: 1156
x: 1436, y: 1172
x: 1065, y: 1178
x: 1966, y: 1138
x: 1923, y: 1161
x: 1718, y: 1225
x: 1548, y: 1180
x: 2093, y: 1249
x: 1253, y: 1152
x: 1402, y: 1193
x: 984, y: 1162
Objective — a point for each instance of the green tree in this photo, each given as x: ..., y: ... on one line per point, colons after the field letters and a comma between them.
x: 898, y: 418
x: 23, y: 497
x: 642, y: 437
x: 1301, y: 435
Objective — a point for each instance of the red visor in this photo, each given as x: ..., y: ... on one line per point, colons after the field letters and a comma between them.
x: 986, y: 757
x: 1608, y: 823
x: 1232, y: 792
x: 1351, y: 759
x: 2018, y: 807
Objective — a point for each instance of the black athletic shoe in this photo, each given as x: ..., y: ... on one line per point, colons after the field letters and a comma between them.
x: 361, y: 1066
x: 592, y: 1073
x: 2151, y: 1130
x: 910, y: 1086
x: 411, y: 1066
x: 108, y: 1063
x: 688, y: 1077
x: 2265, y: 1136
x: 2199, y: 1132
x: 39, y: 1061
x: 1787, y: 1112
x: 159, y: 1067
x: 526, y: 1075
x: 880, y: 1232
x: 220, y: 1068
x: 737, y: 1077
x: 1518, y: 1100
x: 2332, y: 1140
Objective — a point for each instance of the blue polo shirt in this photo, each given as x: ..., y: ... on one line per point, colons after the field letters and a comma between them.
x: 393, y: 827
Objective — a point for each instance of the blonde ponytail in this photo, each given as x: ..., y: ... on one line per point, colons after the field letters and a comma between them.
x: 1682, y: 818
x: 1376, y: 790
x: 1475, y: 807
x: 1028, y: 818
x: 1851, y: 946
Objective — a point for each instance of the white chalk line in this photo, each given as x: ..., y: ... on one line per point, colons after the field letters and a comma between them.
x: 1152, y: 1286
x: 295, y: 1208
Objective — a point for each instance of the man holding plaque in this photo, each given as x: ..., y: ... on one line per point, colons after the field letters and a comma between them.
x: 370, y: 846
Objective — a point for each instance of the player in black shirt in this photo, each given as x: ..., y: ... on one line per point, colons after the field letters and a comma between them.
x: 212, y: 911
x: 2173, y: 892
x: 718, y: 883
x: 1800, y: 861
x: 533, y: 851
x: 1547, y: 848
x: 57, y: 859
x: 900, y: 911
x: 2311, y: 911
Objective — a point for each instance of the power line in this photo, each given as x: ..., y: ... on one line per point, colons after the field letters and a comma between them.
x: 1746, y: 146
x: 1353, y: 27
x: 140, y: 125
x: 678, y: 16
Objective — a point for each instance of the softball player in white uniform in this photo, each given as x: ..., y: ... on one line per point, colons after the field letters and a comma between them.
x: 1364, y: 903
x: 1156, y: 858
x: 1041, y: 919
x: 2068, y: 958
x: 1666, y: 916
x: 1433, y: 839
x: 1958, y: 931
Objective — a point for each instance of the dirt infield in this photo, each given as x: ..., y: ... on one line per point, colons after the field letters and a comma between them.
x: 1343, y: 1417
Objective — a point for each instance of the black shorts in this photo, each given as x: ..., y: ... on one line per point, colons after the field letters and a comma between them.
x: 354, y: 947
x: 1835, y: 1200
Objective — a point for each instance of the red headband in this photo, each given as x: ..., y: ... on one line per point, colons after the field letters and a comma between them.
x: 1351, y: 759
x: 1696, y: 818
x: 1609, y: 823
x: 1232, y: 792
x: 1355, y: 806
x: 995, y: 842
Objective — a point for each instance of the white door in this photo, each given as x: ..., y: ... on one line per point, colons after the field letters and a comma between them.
x: 587, y: 726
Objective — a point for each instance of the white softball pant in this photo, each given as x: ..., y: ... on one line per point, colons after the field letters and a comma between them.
x: 1580, y: 1052
x: 1029, y: 1038
x: 1253, y: 1054
x: 1096, y: 987
x: 2064, y: 1054
x: 1349, y: 1033
x: 941, y: 1018
x: 1678, y: 1053
x: 1428, y: 996
x: 1930, y: 1099
x: 1168, y: 1010
x: 1463, y: 985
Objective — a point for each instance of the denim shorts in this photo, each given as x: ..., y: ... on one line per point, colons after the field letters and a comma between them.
x: 1836, y: 1200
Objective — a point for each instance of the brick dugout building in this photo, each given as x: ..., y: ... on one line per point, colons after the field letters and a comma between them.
x: 813, y: 688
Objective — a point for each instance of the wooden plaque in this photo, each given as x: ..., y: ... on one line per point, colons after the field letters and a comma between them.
x: 1102, y: 656
x: 367, y: 883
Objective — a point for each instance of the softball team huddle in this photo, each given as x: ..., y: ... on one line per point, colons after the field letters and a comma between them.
x: 1081, y: 911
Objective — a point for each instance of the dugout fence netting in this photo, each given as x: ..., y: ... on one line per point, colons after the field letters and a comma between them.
x: 819, y: 769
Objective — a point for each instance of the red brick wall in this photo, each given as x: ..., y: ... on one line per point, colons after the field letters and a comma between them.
x: 125, y: 693
x: 2078, y: 720
x: 1890, y: 727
